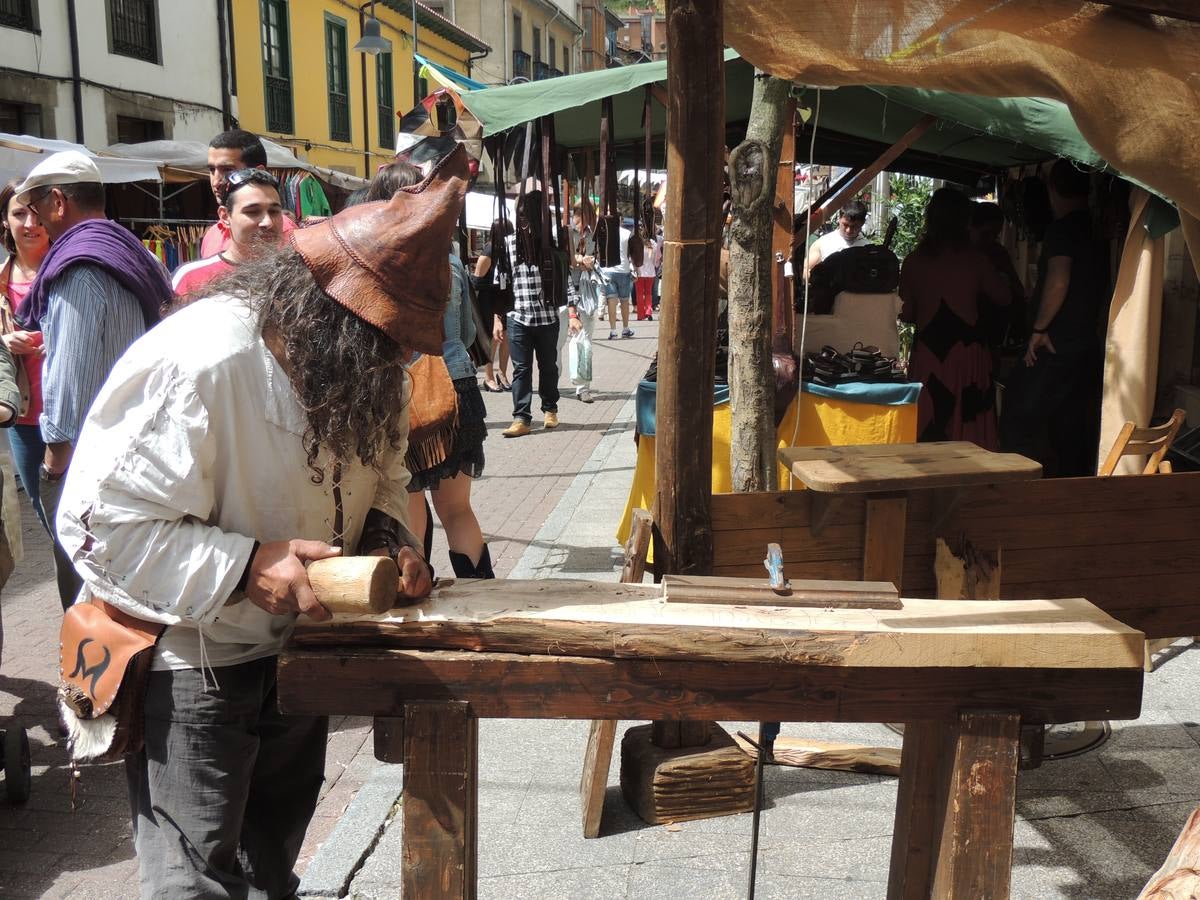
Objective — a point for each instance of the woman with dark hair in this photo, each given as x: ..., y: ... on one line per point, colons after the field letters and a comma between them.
x: 449, y: 481
x: 941, y: 286
x: 493, y: 287
x: 27, y: 244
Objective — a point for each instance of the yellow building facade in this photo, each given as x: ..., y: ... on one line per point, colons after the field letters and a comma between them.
x: 299, y: 82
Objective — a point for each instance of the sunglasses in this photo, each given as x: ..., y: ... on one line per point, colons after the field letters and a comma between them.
x: 243, y: 177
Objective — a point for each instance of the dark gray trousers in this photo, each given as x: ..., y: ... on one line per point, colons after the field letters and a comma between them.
x: 223, y: 790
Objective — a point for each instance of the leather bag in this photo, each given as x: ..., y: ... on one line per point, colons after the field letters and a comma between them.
x: 104, y: 663
x: 432, y: 414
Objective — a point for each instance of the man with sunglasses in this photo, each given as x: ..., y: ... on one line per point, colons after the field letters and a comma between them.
x: 97, y: 291
x: 252, y: 214
x: 229, y: 152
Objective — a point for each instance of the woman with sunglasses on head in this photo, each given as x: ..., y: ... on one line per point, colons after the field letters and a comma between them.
x: 27, y: 244
x: 252, y: 213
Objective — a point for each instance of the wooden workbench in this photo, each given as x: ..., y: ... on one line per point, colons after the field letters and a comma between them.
x: 581, y: 650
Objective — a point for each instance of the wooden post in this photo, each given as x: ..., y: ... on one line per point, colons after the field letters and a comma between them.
x: 388, y: 732
x: 691, y: 261
x: 920, y: 807
x: 782, y: 219
x: 439, y: 801
x: 975, y: 859
x: 883, y: 546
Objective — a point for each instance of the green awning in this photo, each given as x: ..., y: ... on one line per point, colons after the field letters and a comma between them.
x: 974, y: 135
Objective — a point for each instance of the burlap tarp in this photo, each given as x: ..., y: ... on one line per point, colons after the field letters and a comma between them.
x: 1131, y: 80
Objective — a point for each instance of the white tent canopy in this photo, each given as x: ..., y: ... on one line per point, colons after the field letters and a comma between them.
x: 193, y: 155
x: 21, y: 152
x: 481, y: 210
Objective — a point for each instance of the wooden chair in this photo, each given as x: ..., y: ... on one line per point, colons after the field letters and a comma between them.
x: 1152, y: 442
x: 602, y: 735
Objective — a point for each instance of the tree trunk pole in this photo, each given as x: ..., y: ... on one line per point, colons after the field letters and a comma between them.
x: 752, y: 175
x: 691, y: 260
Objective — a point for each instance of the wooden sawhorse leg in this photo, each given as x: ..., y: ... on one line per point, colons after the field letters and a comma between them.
x: 955, y: 809
x: 439, y: 804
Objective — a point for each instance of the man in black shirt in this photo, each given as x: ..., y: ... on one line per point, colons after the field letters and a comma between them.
x: 1051, y: 408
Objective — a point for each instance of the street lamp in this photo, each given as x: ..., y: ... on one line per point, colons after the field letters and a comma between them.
x: 371, y: 43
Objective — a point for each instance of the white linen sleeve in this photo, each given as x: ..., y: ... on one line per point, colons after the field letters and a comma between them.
x: 136, y: 511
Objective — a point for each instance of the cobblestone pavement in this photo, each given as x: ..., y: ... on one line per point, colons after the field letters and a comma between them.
x: 48, y: 850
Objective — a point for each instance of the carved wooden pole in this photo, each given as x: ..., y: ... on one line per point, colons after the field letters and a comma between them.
x: 752, y: 181
x: 691, y: 261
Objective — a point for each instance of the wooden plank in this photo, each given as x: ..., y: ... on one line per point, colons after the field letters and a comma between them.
x: 874, y: 468
x: 1179, y: 875
x: 597, y: 760
x: 883, y: 540
x: 595, y: 619
x: 692, y: 226
x: 780, y: 509
x: 377, y: 682
x: 920, y: 808
x: 802, y: 592
x: 835, y: 569
x: 809, y: 753
x: 1081, y: 495
x: 975, y: 856
x: 439, y: 801
x: 636, y: 547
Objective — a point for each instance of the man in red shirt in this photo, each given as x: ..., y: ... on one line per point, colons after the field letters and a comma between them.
x: 231, y: 151
x: 252, y: 215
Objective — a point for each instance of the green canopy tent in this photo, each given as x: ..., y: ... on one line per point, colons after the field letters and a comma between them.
x: 974, y: 135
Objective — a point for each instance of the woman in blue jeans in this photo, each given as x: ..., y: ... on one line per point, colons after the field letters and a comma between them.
x: 27, y: 244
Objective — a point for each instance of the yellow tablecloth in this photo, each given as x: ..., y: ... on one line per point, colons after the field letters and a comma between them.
x: 823, y: 423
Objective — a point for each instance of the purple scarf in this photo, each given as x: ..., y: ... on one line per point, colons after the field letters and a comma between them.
x: 103, y: 243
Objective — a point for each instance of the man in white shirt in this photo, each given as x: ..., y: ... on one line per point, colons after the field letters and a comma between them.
x: 848, y: 234
x: 244, y: 436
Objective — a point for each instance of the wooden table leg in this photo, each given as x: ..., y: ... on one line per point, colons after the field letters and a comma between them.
x: 975, y: 858
x: 594, y: 782
x: 439, y: 801
x: 883, y: 545
x: 920, y: 806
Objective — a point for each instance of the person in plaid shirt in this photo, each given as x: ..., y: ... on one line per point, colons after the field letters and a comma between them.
x: 533, y: 323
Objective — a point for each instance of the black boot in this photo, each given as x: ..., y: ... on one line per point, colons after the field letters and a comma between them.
x: 461, y: 563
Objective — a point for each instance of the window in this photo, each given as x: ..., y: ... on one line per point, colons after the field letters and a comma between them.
x: 132, y: 130
x: 518, y: 47
x: 337, y: 78
x: 537, y: 45
x: 277, y: 65
x: 383, y: 92
x: 19, y: 14
x: 566, y: 60
x: 20, y: 118
x: 133, y: 29
x: 553, y: 50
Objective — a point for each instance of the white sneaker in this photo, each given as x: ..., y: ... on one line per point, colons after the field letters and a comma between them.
x: 612, y: 335
x: 583, y: 395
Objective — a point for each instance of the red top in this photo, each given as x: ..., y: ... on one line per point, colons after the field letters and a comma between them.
x: 32, y: 362
x: 217, y: 239
x: 194, y: 275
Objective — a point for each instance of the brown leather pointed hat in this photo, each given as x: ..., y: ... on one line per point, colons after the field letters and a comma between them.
x: 388, y: 262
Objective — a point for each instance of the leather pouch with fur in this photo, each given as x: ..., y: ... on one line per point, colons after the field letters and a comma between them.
x: 105, y: 657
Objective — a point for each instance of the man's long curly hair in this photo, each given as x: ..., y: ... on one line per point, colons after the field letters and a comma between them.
x: 348, y: 375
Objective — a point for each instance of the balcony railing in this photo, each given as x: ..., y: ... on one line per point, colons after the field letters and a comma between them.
x: 521, y: 64
x: 279, y: 104
x: 134, y: 31
x: 541, y: 70
x: 17, y: 14
x: 339, y: 117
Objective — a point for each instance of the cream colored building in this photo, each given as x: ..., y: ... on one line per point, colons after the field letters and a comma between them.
x: 531, y: 39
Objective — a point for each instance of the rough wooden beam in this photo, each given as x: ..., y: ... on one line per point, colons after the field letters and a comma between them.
x: 691, y: 262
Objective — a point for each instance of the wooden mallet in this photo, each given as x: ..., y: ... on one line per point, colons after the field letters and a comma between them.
x: 355, y: 585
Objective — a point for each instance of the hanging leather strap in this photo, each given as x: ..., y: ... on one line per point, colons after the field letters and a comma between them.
x: 648, y: 211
